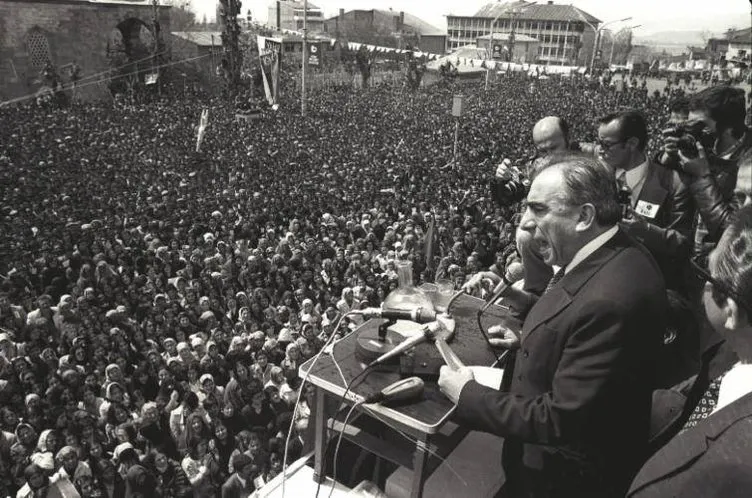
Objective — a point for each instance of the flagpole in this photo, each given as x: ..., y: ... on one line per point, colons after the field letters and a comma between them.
x: 305, y: 60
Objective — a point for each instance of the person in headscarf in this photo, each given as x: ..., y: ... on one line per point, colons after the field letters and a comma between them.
x: 113, y: 374
x: 124, y: 457
x: 39, y: 484
x: 49, y: 442
x: 210, y: 389
x: 114, y: 393
x: 27, y: 436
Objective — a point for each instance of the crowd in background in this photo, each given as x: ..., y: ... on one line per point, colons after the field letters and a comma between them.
x: 157, y: 302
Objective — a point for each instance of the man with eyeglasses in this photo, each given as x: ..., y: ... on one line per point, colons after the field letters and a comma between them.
x: 660, y: 208
x: 710, y: 456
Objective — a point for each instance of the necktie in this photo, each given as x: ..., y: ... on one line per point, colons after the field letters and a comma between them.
x: 621, y: 181
x: 706, y: 405
x: 624, y: 193
x: 555, y: 279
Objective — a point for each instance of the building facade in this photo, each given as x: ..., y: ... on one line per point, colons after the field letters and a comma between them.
x: 740, y: 46
x: 289, y: 15
x: 566, y: 34
x: 386, y: 28
x: 93, y: 36
x: 524, y: 49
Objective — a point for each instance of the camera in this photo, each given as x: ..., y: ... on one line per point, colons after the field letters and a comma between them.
x: 509, y: 192
x: 511, y: 188
x: 689, y: 135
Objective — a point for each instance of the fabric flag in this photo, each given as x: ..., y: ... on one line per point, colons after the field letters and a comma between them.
x: 430, y: 242
x: 203, y: 122
x: 269, y: 53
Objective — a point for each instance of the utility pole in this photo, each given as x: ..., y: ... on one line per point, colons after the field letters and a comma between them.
x: 156, y: 48
x: 305, y: 60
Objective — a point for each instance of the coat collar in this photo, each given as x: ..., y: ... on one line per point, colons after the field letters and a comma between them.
x: 557, y: 299
x: 681, y: 451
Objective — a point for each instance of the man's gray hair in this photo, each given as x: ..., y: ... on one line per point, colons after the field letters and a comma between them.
x: 586, y: 181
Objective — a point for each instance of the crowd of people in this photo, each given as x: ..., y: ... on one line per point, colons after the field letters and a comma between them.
x: 156, y: 302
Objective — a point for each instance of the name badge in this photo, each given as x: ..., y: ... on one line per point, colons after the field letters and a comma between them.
x: 646, y: 209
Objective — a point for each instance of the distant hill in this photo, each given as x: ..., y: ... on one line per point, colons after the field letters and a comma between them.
x: 683, y: 38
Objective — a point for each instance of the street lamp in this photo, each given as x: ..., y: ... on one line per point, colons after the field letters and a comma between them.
x: 597, y: 35
x: 613, y: 42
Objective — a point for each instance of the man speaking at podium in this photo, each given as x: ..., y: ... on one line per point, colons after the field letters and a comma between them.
x: 576, y: 416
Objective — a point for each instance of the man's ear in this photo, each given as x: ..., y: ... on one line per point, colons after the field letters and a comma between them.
x: 736, y: 316
x: 586, y: 218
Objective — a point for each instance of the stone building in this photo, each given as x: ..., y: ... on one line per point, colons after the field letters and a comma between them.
x: 93, y: 38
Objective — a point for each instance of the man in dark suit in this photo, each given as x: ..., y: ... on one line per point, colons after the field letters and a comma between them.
x: 240, y: 483
x: 576, y: 415
x: 710, y: 457
x: 661, y: 207
x: 659, y: 215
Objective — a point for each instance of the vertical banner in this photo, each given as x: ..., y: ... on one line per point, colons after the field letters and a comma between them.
x: 314, y: 54
x: 202, y: 124
x: 270, y: 51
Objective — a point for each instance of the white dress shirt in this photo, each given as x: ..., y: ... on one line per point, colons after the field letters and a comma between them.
x: 635, y: 179
x: 591, y: 247
x: 735, y: 384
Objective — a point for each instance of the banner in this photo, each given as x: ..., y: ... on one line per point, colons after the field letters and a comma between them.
x: 269, y: 54
x: 203, y: 123
x: 314, y: 56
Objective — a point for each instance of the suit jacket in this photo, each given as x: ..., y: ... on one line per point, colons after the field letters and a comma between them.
x: 666, y: 205
x: 233, y: 488
x: 709, y: 460
x: 576, y: 415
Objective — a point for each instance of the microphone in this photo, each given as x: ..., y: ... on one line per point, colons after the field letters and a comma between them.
x: 403, y: 346
x: 515, y: 272
x: 402, y: 390
x: 419, y: 315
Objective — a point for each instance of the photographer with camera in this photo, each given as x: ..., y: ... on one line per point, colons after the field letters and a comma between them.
x: 706, y: 150
x: 658, y: 209
x: 510, y: 186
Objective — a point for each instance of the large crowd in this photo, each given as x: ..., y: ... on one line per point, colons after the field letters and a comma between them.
x: 156, y: 302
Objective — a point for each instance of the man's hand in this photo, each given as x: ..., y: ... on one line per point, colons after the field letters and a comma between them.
x: 452, y: 381
x: 503, y: 337
x: 698, y: 166
x: 503, y: 170
x: 477, y: 281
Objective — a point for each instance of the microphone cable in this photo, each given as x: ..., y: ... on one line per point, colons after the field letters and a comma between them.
x: 339, y: 441
x: 483, y: 331
x: 350, y: 385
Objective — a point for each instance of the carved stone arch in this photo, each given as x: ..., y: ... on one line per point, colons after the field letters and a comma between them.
x: 137, y: 38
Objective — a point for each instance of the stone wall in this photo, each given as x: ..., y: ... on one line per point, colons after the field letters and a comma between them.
x: 76, y: 31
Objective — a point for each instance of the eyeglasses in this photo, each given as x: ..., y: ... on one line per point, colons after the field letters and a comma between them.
x: 719, y: 288
x: 606, y: 146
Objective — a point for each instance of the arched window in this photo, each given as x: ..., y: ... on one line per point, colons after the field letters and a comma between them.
x: 38, y: 48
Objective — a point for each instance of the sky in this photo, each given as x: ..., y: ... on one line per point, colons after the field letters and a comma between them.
x: 653, y: 15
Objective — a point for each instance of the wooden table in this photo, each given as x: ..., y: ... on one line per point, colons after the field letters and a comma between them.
x: 422, y: 419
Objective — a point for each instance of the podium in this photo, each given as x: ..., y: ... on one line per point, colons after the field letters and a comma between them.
x: 424, y: 420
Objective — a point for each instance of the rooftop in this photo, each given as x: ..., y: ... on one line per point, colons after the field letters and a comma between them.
x: 415, y: 23
x: 536, y: 12
x: 741, y: 36
x: 299, y: 5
